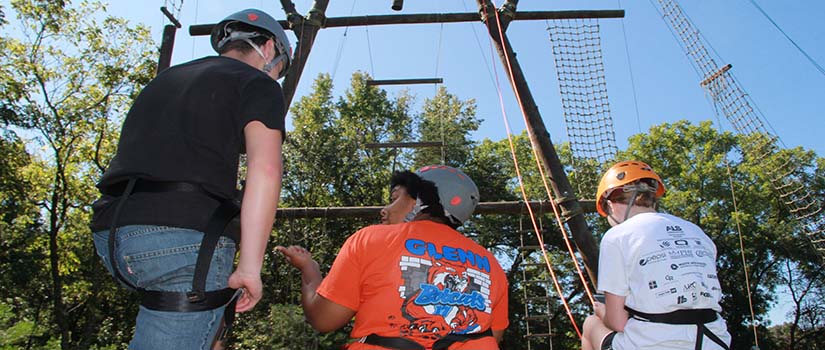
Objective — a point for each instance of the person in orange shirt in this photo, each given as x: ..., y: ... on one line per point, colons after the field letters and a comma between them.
x: 413, y: 284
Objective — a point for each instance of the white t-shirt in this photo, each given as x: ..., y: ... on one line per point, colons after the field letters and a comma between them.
x: 661, y: 263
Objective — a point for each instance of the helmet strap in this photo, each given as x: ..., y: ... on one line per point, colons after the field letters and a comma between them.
x: 630, y: 204
x: 417, y: 208
x: 278, y: 59
x: 233, y: 35
x: 639, y: 187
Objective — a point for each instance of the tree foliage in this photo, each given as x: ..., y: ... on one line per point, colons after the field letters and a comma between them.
x: 69, y: 73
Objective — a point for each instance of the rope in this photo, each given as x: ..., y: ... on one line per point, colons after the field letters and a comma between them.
x: 435, y: 91
x: 524, y: 193
x: 369, y: 50
x: 341, y: 44
x: 741, y: 242
x: 544, y: 177
x: 810, y: 59
x: 197, y: 3
x: 630, y: 70
x: 742, y: 250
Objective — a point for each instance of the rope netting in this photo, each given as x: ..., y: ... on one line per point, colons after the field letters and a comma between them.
x: 583, y: 88
x: 761, y: 146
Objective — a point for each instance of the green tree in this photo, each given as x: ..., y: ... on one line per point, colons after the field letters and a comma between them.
x: 68, y: 75
x: 446, y: 118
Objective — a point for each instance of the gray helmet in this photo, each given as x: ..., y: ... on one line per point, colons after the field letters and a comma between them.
x: 222, y: 34
x: 457, y: 193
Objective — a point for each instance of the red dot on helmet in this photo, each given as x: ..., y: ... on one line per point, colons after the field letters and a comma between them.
x: 455, y: 201
x: 252, y: 17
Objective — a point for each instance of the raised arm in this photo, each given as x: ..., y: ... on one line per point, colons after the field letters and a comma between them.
x: 323, y: 314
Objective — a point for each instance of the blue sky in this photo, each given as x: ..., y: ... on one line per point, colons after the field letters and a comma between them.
x: 783, y: 84
x: 788, y: 90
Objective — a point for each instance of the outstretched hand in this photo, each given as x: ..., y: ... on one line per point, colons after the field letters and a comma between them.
x: 297, y: 256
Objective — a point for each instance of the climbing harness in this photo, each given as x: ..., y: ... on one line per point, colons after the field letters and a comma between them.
x: 400, y: 343
x: 698, y: 317
x: 197, y: 299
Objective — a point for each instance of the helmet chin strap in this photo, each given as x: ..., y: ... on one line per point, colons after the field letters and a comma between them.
x: 640, y: 187
x: 417, y: 208
x: 630, y: 205
x: 245, y: 36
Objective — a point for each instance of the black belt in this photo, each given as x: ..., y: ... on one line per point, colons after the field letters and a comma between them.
x: 698, y: 317
x: 399, y: 343
x: 198, y: 299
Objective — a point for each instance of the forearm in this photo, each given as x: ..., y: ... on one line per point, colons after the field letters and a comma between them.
x: 615, y: 316
x: 261, y: 195
x: 310, y: 280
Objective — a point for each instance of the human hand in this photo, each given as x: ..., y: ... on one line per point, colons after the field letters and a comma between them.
x: 297, y: 256
x: 253, y: 286
x: 599, y: 309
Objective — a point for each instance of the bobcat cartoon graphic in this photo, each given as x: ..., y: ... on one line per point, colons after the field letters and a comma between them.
x: 441, y: 297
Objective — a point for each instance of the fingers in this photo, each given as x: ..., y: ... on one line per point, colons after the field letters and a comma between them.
x: 291, y: 250
x: 251, y: 296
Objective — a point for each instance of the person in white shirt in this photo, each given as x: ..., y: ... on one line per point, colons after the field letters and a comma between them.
x: 657, y: 272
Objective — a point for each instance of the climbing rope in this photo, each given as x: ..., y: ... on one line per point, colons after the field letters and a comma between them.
x: 741, y: 243
x: 522, y: 188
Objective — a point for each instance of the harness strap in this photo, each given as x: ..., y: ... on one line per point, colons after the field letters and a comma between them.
x: 397, y: 343
x: 698, y: 317
x: 198, y: 299
x: 450, y: 339
x: 180, y: 302
x: 400, y: 343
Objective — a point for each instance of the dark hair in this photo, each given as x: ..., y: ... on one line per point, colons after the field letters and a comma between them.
x: 643, y: 199
x: 421, y: 189
x: 243, y: 46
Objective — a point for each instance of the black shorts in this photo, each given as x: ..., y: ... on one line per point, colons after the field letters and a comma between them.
x: 607, y: 342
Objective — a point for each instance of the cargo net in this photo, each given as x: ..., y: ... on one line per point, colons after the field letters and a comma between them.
x: 760, y: 146
x: 580, y: 69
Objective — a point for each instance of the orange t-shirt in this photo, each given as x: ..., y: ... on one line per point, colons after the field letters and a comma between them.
x: 419, y: 280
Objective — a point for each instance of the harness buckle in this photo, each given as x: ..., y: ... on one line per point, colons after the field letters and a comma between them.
x: 195, y: 296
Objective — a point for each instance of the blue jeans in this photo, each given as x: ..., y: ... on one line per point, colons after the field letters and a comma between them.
x: 163, y: 258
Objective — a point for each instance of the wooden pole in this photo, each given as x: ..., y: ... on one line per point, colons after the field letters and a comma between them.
x: 306, y: 29
x: 484, y: 208
x: 166, y: 46
x: 571, y: 209
x: 405, y: 81
x: 167, y: 43
x: 404, y: 144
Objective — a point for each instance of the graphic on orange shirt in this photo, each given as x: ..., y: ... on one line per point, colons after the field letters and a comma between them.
x: 442, y: 290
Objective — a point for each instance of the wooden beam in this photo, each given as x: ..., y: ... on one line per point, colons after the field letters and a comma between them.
x: 404, y: 145
x: 405, y: 81
x: 484, y: 208
x: 353, y: 21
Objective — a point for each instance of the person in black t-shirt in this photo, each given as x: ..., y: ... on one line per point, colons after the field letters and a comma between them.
x: 175, y: 170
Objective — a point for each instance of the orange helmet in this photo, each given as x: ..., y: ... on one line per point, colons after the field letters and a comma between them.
x: 622, y: 174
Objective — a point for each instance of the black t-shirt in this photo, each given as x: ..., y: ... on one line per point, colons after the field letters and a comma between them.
x: 187, y: 126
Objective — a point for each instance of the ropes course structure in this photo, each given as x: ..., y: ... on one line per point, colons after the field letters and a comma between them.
x: 761, y: 145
